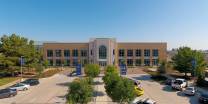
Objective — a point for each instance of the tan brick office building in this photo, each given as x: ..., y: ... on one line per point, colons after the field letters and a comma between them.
x: 105, y: 51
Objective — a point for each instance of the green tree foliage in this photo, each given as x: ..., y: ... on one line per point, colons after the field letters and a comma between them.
x: 92, y: 70
x: 182, y: 61
x: 13, y: 47
x: 119, y: 89
x: 80, y: 92
x: 162, y: 68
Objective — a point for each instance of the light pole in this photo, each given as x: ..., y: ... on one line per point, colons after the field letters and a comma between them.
x: 21, y: 63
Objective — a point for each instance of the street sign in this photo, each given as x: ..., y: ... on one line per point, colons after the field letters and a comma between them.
x: 123, y: 69
x: 193, y: 62
x: 79, y: 69
x: 22, y: 61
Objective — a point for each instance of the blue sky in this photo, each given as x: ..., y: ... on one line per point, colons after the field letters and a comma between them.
x: 177, y: 22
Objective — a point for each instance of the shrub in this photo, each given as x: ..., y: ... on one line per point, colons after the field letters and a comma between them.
x: 92, y: 70
x: 80, y: 91
x: 118, y: 89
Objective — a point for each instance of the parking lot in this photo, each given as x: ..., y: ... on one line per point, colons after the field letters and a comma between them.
x: 50, y: 90
x: 161, y: 93
x: 53, y: 90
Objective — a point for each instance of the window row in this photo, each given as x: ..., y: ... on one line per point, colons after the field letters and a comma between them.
x: 66, y: 62
x: 66, y: 53
x: 138, y: 62
x: 138, y: 52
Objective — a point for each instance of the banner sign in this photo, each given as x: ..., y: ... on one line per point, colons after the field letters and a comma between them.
x: 123, y: 69
x: 79, y: 69
x: 22, y: 61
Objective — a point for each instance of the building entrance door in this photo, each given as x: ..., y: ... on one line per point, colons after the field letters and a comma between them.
x: 102, y: 63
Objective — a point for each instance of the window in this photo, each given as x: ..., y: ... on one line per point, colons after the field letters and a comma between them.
x: 75, y: 62
x: 58, y: 53
x: 155, y: 52
x: 49, y: 53
x: 91, y: 52
x: 66, y: 62
x: 130, y: 53
x: 113, y: 51
x: 84, y: 53
x: 138, y: 53
x: 75, y: 53
x: 146, y: 52
x: 155, y: 62
x: 146, y: 62
x: 121, y: 61
x: 66, y: 53
x: 84, y: 61
x: 138, y: 62
x: 102, y: 52
x: 58, y: 62
x: 121, y: 53
x: 50, y: 62
x: 129, y: 62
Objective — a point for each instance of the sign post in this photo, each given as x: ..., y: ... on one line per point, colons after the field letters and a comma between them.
x: 21, y: 64
x: 123, y: 69
x: 79, y: 69
x: 194, y: 63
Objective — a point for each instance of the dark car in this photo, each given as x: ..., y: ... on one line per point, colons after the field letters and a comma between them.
x: 169, y: 81
x: 73, y: 73
x: 31, y: 82
x: 203, y: 98
x: 5, y: 93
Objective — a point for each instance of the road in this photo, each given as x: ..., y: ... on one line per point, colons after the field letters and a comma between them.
x: 50, y: 90
x: 161, y: 93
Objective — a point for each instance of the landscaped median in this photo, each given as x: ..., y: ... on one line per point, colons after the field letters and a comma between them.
x: 6, y: 80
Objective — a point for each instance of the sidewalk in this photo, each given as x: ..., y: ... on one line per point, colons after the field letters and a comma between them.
x: 100, y: 96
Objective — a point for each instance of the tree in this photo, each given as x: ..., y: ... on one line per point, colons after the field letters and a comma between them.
x: 182, y: 60
x: 162, y: 68
x: 13, y: 47
x: 119, y: 89
x: 123, y: 91
x: 45, y: 63
x: 92, y: 70
x: 80, y: 91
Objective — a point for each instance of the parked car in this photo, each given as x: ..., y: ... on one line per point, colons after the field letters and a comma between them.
x: 73, y: 73
x: 136, y: 82
x: 31, y: 82
x: 179, y: 84
x: 139, y: 91
x: 169, y: 81
x: 203, y: 98
x: 143, y: 101
x: 5, y: 93
x: 20, y: 87
x: 190, y: 91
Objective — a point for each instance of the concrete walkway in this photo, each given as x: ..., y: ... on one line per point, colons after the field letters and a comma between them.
x: 100, y: 96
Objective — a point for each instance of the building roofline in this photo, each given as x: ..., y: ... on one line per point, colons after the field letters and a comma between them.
x: 142, y: 42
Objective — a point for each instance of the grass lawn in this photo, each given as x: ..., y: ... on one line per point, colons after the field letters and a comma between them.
x: 49, y: 73
x: 7, y: 80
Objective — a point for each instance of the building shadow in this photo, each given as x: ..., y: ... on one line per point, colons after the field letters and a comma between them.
x: 168, y: 88
x: 143, y: 77
x: 98, y: 93
x: 192, y: 99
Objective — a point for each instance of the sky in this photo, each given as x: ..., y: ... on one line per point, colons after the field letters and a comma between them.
x: 177, y: 22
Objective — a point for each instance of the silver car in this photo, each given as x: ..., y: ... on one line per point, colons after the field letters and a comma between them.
x: 190, y: 91
x: 20, y: 87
